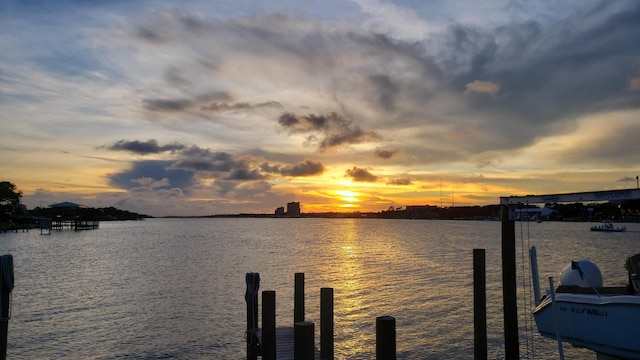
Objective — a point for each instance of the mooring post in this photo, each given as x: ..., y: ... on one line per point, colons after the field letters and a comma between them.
x: 303, y: 342
x: 251, y: 297
x: 509, y: 285
x: 298, y: 301
x: 385, y: 338
x: 268, y: 325
x: 479, y: 306
x: 6, y: 286
x: 326, y: 323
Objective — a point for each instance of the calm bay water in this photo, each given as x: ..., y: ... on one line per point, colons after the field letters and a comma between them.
x: 174, y: 288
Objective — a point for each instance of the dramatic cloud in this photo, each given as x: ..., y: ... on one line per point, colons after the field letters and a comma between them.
x: 306, y: 168
x: 280, y: 96
x: 152, y: 174
x: 327, y: 132
x: 361, y: 175
x: 143, y: 147
x: 307, y: 123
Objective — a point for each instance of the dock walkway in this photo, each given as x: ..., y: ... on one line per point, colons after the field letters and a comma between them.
x: 284, y: 343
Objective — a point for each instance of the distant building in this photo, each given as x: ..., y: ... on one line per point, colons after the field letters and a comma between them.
x: 422, y: 212
x: 67, y: 205
x: 280, y: 211
x: 535, y: 213
x: 293, y: 209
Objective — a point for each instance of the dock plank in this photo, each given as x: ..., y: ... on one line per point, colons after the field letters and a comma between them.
x: 284, y: 343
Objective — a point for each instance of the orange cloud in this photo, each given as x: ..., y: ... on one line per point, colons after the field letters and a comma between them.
x: 482, y: 87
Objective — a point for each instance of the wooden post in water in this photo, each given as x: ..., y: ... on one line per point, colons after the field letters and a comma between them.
x: 269, y: 325
x: 303, y: 342
x: 298, y: 301
x: 511, y: 342
x: 385, y: 338
x: 251, y: 297
x: 326, y: 323
x: 479, y: 306
x: 6, y: 286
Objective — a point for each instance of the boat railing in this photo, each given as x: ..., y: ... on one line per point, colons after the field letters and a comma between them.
x: 633, y: 267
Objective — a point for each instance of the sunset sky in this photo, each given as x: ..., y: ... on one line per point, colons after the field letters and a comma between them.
x: 219, y: 107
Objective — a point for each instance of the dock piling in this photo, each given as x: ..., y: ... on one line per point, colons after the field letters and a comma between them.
x: 298, y: 301
x: 251, y: 297
x: 326, y: 323
x: 509, y: 285
x: 268, y: 325
x: 6, y: 286
x: 479, y: 306
x: 385, y: 338
x: 303, y: 341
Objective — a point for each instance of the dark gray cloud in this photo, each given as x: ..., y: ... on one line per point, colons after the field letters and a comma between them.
x: 242, y: 191
x: 400, y: 181
x: 239, y: 106
x: 361, y: 175
x: 167, y: 105
x: 149, y: 35
x: 547, y: 74
x: 144, y: 147
x: 307, y: 123
x: 347, y: 135
x: 305, y: 168
x: 153, y: 171
x: 386, y: 89
x: 384, y: 154
x: 326, y: 131
x: 199, y: 159
x: 244, y: 174
x: 173, y: 77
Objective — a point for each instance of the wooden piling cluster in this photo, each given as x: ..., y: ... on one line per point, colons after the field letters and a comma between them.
x: 298, y: 342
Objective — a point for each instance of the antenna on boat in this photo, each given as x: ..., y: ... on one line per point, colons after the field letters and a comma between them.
x: 533, y: 256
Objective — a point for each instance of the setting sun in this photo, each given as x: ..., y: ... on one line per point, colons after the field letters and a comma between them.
x: 349, y: 197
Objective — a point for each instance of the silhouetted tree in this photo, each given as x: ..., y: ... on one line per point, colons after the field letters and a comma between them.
x: 9, y: 195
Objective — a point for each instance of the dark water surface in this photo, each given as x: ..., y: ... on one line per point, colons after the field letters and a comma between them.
x: 174, y: 288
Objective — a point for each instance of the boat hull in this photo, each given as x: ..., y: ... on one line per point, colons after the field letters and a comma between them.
x: 604, y: 324
x: 608, y: 230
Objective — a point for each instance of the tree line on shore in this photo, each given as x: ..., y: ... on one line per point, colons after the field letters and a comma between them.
x: 13, y: 213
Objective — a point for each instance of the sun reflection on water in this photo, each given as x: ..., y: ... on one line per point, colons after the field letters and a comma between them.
x: 351, y: 312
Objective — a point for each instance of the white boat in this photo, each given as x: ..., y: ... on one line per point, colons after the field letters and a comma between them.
x: 583, y: 313
x: 608, y: 227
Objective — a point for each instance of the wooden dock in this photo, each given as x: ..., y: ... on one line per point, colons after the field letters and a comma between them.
x: 71, y: 224
x: 284, y: 343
